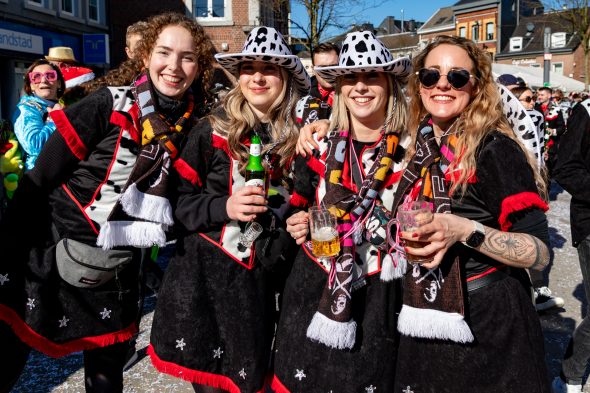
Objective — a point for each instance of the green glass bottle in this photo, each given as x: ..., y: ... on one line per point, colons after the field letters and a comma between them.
x: 255, y: 173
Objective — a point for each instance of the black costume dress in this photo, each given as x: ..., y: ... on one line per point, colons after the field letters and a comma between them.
x: 70, y: 192
x: 305, y: 366
x: 508, y: 352
x: 216, y: 311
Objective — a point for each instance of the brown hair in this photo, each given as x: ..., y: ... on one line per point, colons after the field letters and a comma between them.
x: 518, y: 91
x: 137, y: 28
x: 326, y: 47
x: 120, y: 76
x: 60, y: 77
x: 482, y: 116
x: 201, y: 42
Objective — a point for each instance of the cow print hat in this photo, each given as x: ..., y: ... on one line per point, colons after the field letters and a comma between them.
x: 363, y: 52
x: 268, y: 45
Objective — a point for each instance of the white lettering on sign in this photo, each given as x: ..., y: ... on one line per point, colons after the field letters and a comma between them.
x: 523, y: 61
x: 21, y: 42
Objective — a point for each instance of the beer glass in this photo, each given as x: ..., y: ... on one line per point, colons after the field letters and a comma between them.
x: 411, y: 216
x: 324, y: 232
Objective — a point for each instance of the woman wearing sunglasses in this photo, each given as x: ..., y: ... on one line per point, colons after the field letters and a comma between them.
x: 43, y: 86
x: 467, y: 322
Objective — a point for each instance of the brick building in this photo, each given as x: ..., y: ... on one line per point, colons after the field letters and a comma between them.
x: 442, y: 22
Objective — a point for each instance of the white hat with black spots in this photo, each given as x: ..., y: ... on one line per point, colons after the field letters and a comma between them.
x: 363, y: 52
x: 268, y: 45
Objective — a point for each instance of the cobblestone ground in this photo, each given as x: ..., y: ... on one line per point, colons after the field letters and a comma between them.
x: 66, y: 375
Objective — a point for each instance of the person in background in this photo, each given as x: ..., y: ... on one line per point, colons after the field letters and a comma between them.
x: 337, y: 325
x: 215, y: 316
x: 324, y: 55
x: 543, y: 296
x: 508, y: 80
x: 467, y: 321
x: 100, y: 193
x: 572, y: 172
x: 133, y: 36
x: 554, y: 126
x: 43, y: 86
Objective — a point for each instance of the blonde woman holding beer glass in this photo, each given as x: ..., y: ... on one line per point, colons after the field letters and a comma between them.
x: 467, y: 322
x: 215, y: 318
x: 337, y: 325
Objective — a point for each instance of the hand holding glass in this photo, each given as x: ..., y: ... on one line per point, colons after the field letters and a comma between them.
x: 410, y: 217
x: 324, y: 232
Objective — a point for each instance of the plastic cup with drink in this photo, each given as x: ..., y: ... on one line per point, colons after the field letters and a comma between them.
x: 410, y: 217
x: 324, y: 232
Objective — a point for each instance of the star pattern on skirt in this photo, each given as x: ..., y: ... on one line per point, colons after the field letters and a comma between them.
x: 104, y: 314
x: 217, y: 353
x: 370, y: 389
x: 300, y: 374
x: 180, y: 344
x: 63, y: 322
x: 243, y: 373
x: 3, y: 279
x: 408, y: 389
x: 31, y: 303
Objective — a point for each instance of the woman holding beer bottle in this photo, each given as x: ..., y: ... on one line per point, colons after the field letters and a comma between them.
x: 337, y: 330
x: 214, y: 320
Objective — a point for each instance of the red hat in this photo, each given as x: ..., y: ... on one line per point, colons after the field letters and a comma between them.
x: 75, y: 76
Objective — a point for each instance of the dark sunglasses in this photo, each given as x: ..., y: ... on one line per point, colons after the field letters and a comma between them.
x: 430, y: 76
x: 526, y: 99
x: 36, y: 77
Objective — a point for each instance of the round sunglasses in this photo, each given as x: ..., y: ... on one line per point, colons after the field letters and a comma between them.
x: 457, y: 78
x: 37, y: 77
x: 526, y: 99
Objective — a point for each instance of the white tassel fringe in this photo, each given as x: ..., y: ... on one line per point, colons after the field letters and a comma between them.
x: 145, y: 206
x: 131, y: 233
x: 340, y: 335
x: 433, y: 324
x: 389, y: 271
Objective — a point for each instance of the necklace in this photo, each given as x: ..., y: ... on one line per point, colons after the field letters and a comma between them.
x: 449, y: 131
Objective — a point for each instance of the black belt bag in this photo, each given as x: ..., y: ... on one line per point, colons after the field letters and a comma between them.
x: 484, y: 281
x: 85, y: 266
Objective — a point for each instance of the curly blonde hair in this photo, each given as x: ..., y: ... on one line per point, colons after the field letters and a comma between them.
x: 201, y: 42
x: 396, y: 107
x: 481, y: 117
x: 241, y: 119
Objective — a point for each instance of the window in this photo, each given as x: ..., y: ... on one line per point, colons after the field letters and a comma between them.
x: 40, y: 3
x: 558, y: 40
x: 463, y: 32
x: 209, y: 8
x: 475, y: 32
x: 70, y: 7
x: 557, y: 67
x: 489, y: 31
x: 96, y: 11
x: 515, y: 44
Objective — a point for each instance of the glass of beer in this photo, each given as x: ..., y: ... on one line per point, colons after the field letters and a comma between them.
x: 411, y: 216
x: 324, y: 232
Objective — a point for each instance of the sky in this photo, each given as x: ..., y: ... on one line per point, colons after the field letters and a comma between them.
x: 419, y: 10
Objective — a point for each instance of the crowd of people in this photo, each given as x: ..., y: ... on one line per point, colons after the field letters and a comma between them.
x: 154, y: 156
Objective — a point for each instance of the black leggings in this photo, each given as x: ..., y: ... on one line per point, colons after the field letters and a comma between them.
x: 206, y: 389
x: 103, y: 367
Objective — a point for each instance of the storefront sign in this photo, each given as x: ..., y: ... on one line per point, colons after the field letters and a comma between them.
x: 523, y: 61
x: 21, y: 42
x: 96, y: 48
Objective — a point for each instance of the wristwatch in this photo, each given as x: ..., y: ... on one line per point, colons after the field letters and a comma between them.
x: 476, y: 237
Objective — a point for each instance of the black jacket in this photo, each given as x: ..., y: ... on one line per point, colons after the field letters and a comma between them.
x: 572, y: 170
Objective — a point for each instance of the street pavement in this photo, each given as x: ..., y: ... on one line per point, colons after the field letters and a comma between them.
x: 63, y: 375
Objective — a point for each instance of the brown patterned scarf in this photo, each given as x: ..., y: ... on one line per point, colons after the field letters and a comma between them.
x: 332, y: 324
x: 143, y: 213
x: 434, y: 303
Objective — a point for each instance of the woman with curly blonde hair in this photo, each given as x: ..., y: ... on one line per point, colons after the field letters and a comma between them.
x: 467, y: 322
x: 215, y: 317
x: 100, y: 193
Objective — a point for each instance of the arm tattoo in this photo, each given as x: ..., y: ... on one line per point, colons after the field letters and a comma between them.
x: 515, y: 249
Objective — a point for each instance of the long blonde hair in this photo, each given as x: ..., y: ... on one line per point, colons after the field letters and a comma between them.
x: 396, y: 113
x: 481, y: 117
x: 241, y: 119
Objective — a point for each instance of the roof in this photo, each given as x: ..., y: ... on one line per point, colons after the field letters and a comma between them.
x: 397, y: 41
x: 442, y: 18
x: 533, y: 41
x: 474, y: 3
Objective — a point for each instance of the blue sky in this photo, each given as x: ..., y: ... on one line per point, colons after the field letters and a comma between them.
x: 420, y: 10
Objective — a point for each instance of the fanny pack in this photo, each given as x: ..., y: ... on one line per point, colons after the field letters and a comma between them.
x: 85, y: 266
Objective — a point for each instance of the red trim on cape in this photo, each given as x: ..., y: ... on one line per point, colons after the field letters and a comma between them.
x: 250, y: 264
x: 120, y: 120
x: 70, y: 135
x: 194, y: 376
x: 490, y: 270
x: 33, y: 339
x: 134, y: 112
x: 220, y: 143
x: 187, y: 172
x: 298, y: 200
x: 316, y: 165
x: 82, y: 208
x: 518, y: 202
x: 277, y: 386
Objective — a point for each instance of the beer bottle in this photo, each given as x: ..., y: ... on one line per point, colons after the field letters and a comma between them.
x: 255, y: 173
